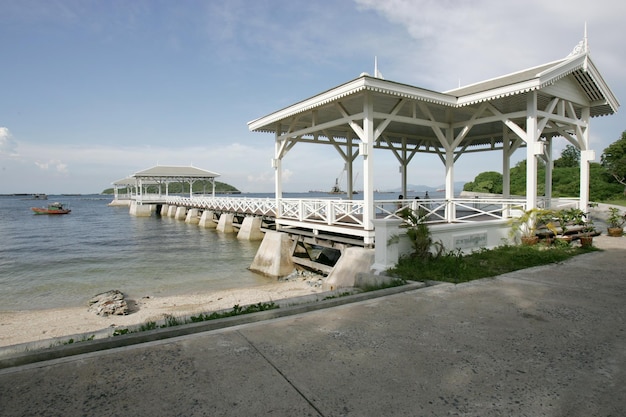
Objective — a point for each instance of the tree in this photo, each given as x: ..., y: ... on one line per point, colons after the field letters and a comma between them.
x: 570, y: 157
x: 486, y: 182
x: 614, y: 160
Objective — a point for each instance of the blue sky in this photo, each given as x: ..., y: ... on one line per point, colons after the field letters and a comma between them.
x: 93, y: 91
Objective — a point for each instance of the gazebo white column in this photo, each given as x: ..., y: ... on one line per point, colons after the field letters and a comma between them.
x: 506, y: 163
x: 451, y: 208
x: 586, y: 156
x: 349, y: 167
x: 549, y: 166
x: 277, y: 165
x: 366, y: 149
x: 533, y: 148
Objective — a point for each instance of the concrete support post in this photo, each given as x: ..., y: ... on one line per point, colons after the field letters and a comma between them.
x: 353, y: 260
x: 140, y: 210
x: 225, y: 223
x: 387, y: 250
x: 193, y: 216
x: 181, y: 213
x: 206, y: 220
x: 164, y: 209
x: 274, y: 255
x: 250, y: 229
x: 171, y: 211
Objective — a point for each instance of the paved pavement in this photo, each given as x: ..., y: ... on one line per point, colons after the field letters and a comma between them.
x: 547, y: 341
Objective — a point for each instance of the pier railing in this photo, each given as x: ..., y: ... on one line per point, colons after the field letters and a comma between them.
x: 342, y: 213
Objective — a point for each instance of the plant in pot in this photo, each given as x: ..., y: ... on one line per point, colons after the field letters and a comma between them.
x: 563, y: 218
x: 587, y: 234
x: 615, y: 222
x: 524, y: 227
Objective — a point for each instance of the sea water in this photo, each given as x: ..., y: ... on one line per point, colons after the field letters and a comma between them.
x: 50, y: 261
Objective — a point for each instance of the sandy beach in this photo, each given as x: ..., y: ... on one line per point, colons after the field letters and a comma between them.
x: 18, y: 327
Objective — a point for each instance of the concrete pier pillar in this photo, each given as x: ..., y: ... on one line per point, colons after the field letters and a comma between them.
x: 274, y: 255
x: 181, y: 213
x: 250, y: 229
x: 140, y: 210
x: 352, y: 261
x: 225, y: 223
x: 386, y: 255
x: 193, y: 216
x: 171, y: 211
x: 164, y: 209
x: 206, y: 220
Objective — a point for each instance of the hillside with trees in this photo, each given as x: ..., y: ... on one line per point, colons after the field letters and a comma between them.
x: 607, y: 179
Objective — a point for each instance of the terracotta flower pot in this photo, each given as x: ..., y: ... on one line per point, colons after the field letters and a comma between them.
x: 530, y: 240
x: 615, y: 231
x: 586, y: 241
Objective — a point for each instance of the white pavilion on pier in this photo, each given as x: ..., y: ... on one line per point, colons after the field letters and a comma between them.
x: 527, y: 109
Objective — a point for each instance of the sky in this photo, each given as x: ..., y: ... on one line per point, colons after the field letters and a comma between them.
x: 92, y: 91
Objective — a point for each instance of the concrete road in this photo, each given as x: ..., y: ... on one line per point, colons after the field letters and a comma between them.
x: 547, y: 341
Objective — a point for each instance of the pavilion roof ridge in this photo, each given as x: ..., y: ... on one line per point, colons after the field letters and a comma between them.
x: 175, y: 171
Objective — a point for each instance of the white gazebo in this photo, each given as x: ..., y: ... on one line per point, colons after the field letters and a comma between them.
x: 527, y: 109
x: 160, y: 176
x: 163, y: 175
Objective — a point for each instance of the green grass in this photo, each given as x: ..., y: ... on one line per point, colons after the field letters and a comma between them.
x: 455, y: 267
x: 615, y: 202
x: 171, y: 321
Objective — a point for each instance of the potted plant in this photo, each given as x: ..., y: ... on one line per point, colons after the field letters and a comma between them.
x: 524, y: 227
x: 615, y: 222
x: 563, y: 218
x: 588, y: 232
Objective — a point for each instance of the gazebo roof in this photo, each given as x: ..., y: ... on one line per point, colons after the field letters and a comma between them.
x: 169, y: 171
x: 165, y: 173
x: 411, y: 114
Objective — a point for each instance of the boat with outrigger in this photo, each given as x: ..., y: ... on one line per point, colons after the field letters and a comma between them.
x: 54, y: 208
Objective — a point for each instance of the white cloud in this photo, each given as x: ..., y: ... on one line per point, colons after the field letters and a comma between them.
x: 8, y: 146
x: 474, y: 41
x: 55, y: 164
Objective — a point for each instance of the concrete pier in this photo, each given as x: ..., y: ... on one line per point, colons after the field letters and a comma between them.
x: 141, y: 210
x: 250, y: 229
x: 171, y: 211
x: 353, y: 260
x: 206, y: 220
x: 274, y: 255
x: 164, y: 209
x: 193, y: 216
x: 181, y: 213
x: 225, y: 223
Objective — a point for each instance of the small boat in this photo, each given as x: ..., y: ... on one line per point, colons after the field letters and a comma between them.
x: 54, y: 208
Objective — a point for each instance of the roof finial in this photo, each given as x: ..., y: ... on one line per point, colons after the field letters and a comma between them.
x: 377, y: 73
